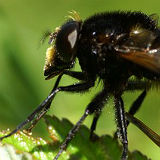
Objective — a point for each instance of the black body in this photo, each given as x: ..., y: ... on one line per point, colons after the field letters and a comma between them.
x: 102, y: 59
x: 111, y: 46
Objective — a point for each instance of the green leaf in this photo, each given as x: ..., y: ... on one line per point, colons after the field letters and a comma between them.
x: 80, y: 148
x: 7, y: 152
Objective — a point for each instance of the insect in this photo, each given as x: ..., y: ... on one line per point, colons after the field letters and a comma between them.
x: 111, y: 46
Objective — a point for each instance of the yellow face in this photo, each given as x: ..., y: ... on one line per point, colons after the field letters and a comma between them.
x: 62, y: 53
x: 50, y: 55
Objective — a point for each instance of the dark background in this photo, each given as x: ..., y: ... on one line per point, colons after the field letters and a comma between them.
x: 22, y: 84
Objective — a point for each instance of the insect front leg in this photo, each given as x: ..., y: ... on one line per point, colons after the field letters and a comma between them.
x: 121, y: 125
x: 74, y: 74
x: 45, y: 109
x: 79, y: 87
x: 78, y: 75
x: 39, y: 112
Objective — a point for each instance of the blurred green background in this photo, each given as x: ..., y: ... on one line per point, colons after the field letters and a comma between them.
x: 22, y: 84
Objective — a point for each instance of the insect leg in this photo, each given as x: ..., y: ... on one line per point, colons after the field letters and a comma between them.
x: 97, y: 113
x: 71, y: 134
x: 139, y: 85
x: 38, y: 110
x: 130, y: 118
x: 77, y: 75
x: 95, y: 105
x: 45, y: 109
x: 72, y: 88
x: 38, y: 117
x: 121, y: 125
x: 135, y: 107
x: 137, y: 104
x: 146, y: 130
x: 94, y: 124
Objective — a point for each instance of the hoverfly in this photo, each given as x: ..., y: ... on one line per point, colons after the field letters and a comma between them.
x: 112, y: 46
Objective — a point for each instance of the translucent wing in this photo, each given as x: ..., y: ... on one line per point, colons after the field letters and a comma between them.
x: 141, y: 47
x: 147, y: 60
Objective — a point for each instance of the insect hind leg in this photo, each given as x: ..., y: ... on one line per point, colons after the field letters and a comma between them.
x: 137, y: 104
x: 121, y: 125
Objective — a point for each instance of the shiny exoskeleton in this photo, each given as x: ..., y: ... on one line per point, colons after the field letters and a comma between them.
x: 113, y: 47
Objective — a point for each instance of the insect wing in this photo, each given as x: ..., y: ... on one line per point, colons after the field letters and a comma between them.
x: 147, y: 60
x: 142, y: 47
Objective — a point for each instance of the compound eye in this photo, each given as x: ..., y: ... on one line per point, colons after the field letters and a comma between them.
x: 66, y: 41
